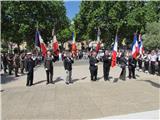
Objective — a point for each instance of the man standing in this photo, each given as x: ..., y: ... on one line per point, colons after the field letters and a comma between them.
x: 106, y: 65
x: 131, y: 66
x: 30, y: 69
x: 123, y: 61
x: 159, y: 62
x: 48, y: 64
x: 146, y: 62
x: 93, y: 66
x: 22, y: 64
x: 10, y: 63
x: 16, y: 64
x: 153, y: 59
x: 4, y: 60
x: 68, y: 61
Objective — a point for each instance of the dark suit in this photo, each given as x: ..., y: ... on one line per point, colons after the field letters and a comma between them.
x: 30, y: 70
x: 68, y: 63
x: 123, y: 66
x: 106, y: 66
x: 131, y: 66
x: 93, y: 67
x: 68, y: 68
x: 48, y: 64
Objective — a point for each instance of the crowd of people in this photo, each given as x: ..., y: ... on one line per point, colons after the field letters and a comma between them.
x: 149, y: 62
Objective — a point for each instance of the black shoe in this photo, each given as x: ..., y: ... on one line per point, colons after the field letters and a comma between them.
x: 67, y: 83
x: 134, y: 77
x: 71, y: 82
x: 17, y: 76
x: 52, y: 82
x: 47, y: 83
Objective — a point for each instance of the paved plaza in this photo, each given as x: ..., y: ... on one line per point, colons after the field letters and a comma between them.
x: 81, y: 100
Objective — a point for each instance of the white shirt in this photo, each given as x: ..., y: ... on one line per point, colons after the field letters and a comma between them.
x: 153, y: 58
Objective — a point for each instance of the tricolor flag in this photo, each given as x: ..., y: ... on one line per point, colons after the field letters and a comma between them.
x: 74, y: 47
x: 42, y: 45
x: 98, y: 40
x: 37, y: 42
x: 114, y: 52
x: 135, y: 47
x: 55, y: 46
x: 141, y: 49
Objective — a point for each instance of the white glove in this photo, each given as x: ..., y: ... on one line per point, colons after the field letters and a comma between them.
x: 46, y: 69
x: 95, y: 64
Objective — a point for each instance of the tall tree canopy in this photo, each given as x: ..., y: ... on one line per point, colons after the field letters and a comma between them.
x: 20, y: 18
x: 126, y: 17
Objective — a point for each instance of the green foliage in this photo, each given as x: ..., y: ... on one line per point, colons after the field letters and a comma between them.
x: 20, y: 18
x: 124, y: 17
x: 152, y: 36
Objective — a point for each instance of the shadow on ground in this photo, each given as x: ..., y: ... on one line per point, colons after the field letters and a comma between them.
x: 75, y: 80
x: 154, y: 84
x: 39, y: 82
x: 58, y: 79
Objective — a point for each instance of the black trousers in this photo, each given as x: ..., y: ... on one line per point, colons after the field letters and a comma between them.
x: 106, y: 72
x: 10, y: 68
x: 16, y: 71
x: 146, y: 65
x: 49, y: 74
x: 159, y: 67
x: 152, y: 67
x: 94, y: 74
x: 30, y: 78
x: 123, y: 74
x: 5, y: 68
x: 140, y: 64
x: 131, y: 71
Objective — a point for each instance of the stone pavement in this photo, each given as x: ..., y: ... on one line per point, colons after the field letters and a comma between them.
x: 81, y: 100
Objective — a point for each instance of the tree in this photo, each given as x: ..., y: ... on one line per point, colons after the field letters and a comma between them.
x: 122, y: 17
x: 20, y: 18
x: 151, y: 39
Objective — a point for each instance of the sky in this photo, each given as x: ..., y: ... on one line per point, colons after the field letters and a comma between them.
x: 72, y: 8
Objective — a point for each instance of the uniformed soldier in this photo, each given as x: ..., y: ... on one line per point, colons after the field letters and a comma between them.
x: 48, y: 64
x: 4, y: 59
x: 123, y: 62
x: 30, y: 69
x: 93, y: 66
x: 68, y: 61
x: 106, y: 65
x: 131, y: 66
x: 16, y: 64
x: 153, y: 59
x: 10, y: 63
x: 22, y: 64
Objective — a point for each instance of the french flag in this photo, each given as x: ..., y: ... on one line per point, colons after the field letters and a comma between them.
x: 37, y: 42
x: 42, y: 45
x: 114, y: 52
x: 55, y: 46
x: 141, y: 48
x: 74, y: 47
x: 98, y: 40
x: 135, y: 47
